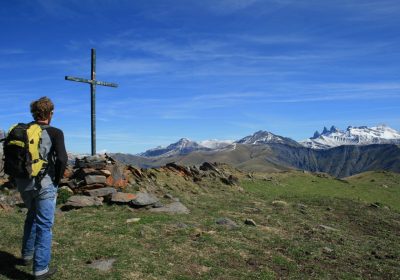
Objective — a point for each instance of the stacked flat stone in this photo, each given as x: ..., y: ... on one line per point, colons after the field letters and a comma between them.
x: 95, y: 172
x: 95, y: 179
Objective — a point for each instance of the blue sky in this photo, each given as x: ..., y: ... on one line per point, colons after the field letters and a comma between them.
x: 211, y: 69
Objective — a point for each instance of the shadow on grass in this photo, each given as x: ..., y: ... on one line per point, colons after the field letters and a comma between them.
x: 8, y: 267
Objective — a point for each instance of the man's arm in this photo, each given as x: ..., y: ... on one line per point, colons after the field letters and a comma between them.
x: 61, y: 156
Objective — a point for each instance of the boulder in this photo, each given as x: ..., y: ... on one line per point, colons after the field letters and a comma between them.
x: 102, y: 265
x: 327, y: 250
x: 95, y: 179
x: 182, y: 170
x: 105, y: 172
x: 231, y: 180
x: 101, y: 192
x: 157, y: 204
x: 173, y: 208
x: 66, y: 189
x: 90, y: 171
x: 136, y: 172
x: 91, y: 187
x: 143, y: 199
x: 120, y: 197
x: 226, y: 222
x: 132, y: 220
x: 64, y: 181
x: 72, y: 184
x: 280, y: 204
x: 170, y: 196
x: 206, y: 166
x: 250, y: 222
x: 79, y: 201
x: 194, y: 170
x: 68, y: 172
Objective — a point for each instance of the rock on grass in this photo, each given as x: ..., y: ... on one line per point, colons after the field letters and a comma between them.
x: 143, y: 199
x: 226, y: 222
x: 102, y: 265
x: 173, y: 208
x: 280, y: 204
x: 79, y: 201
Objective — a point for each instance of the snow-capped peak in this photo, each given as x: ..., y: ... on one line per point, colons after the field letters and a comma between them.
x: 362, y: 135
x: 185, y: 146
x: 183, y: 143
x: 265, y: 137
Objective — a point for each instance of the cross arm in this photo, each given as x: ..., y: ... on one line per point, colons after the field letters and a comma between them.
x: 93, y: 82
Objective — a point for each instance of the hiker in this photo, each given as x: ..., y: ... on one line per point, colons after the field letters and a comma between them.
x: 40, y: 193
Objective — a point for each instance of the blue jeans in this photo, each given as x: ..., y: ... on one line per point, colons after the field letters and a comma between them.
x: 36, y: 243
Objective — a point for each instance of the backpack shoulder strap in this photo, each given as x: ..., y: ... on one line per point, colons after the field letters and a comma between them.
x: 44, y: 126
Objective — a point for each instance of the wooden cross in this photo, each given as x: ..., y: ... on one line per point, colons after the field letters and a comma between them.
x: 93, y: 84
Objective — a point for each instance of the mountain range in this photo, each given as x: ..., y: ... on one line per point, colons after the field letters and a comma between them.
x: 325, y: 140
x: 339, y: 153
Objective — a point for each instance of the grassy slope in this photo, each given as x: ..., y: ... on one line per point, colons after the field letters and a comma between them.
x: 248, y: 158
x: 288, y: 241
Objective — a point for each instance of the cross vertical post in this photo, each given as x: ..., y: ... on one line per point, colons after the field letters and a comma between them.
x: 93, y: 101
x: 93, y: 82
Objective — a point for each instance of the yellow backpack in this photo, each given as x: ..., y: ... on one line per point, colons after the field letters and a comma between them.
x: 21, y: 149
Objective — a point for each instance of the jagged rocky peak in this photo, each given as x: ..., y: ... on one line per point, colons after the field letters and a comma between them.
x: 334, y: 129
x: 325, y: 131
x: 362, y: 135
x: 316, y: 135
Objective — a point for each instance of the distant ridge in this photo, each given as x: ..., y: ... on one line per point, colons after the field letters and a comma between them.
x: 339, y: 153
x: 362, y: 135
x: 266, y: 137
x: 327, y: 139
x: 185, y: 146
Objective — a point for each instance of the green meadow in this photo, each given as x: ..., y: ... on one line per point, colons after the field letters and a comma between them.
x: 308, y: 226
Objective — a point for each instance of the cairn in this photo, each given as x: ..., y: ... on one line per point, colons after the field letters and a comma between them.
x: 94, y: 179
x: 93, y: 173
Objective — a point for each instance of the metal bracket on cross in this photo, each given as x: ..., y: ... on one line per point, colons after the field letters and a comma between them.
x: 93, y: 84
